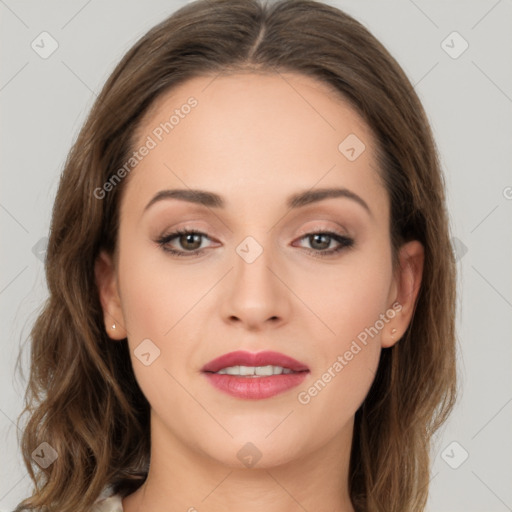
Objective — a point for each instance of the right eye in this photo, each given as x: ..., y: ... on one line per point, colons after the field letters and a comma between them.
x: 189, y: 240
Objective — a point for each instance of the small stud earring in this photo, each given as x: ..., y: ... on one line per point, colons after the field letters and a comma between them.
x: 113, y: 326
x: 393, y: 331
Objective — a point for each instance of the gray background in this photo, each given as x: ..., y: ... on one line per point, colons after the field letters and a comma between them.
x: 469, y: 103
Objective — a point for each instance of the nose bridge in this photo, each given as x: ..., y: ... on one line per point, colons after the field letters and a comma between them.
x: 252, y: 275
x: 255, y: 294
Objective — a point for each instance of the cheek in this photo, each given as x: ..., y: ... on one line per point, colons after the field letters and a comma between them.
x: 348, y: 298
x: 161, y: 303
x: 157, y: 293
x: 346, y: 361
x: 351, y: 300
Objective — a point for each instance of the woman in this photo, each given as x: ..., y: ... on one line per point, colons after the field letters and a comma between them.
x: 252, y: 288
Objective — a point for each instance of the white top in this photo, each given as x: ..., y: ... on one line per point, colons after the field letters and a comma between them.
x: 112, y: 503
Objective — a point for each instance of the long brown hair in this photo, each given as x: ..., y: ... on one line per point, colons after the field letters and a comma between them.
x: 82, y: 397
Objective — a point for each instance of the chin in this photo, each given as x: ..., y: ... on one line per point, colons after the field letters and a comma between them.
x: 255, y: 453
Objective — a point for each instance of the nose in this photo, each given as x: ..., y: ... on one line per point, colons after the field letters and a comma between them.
x: 255, y: 295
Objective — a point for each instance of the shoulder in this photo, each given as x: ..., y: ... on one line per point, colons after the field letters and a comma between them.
x: 108, y: 502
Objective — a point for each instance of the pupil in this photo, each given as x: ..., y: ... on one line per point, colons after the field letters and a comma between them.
x: 318, y: 238
x: 189, y: 239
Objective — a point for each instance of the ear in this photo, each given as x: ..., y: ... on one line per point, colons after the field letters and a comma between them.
x: 106, y: 282
x: 404, y: 292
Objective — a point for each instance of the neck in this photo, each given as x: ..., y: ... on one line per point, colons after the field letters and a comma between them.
x: 181, y: 478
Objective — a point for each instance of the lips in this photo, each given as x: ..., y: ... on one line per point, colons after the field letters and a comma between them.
x: 241, y: 358
x: 249, y: 385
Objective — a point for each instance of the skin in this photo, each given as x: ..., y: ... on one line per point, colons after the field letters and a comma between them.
x: 254, y: 139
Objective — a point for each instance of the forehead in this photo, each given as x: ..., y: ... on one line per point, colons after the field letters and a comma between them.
x: 258, y: 133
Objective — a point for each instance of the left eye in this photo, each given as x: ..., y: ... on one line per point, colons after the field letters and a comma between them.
x: 320, y: 242
x: 190, y: 242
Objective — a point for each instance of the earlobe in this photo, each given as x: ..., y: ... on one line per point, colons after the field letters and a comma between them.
x: 407, y: 284
x: 106, y: 283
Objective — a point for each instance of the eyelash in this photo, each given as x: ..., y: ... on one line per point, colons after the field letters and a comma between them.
x: 344, y: 241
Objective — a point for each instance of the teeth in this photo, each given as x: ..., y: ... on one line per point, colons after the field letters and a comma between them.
x: 254, y: 371
x: 245, y: 371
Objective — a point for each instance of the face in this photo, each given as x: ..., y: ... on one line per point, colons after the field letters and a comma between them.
x: 289, y: 252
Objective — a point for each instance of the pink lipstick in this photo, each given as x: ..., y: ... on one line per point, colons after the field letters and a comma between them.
x: 258, y: 375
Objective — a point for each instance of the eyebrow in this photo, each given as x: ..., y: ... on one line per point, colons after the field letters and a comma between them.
x: 298, y: 200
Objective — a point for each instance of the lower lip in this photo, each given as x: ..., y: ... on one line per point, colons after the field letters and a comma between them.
x: 255, y: 387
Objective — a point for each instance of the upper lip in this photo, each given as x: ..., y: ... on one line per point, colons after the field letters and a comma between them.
x: 242, y: 358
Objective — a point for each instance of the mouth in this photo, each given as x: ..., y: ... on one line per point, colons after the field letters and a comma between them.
x: 258, y: 375
x: 254, y: 371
